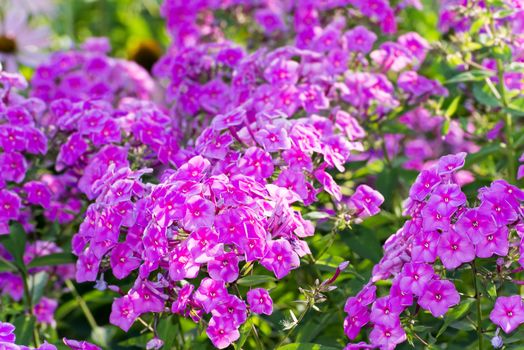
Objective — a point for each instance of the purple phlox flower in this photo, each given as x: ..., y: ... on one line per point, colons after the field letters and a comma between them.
x: 45, y: 310
x: 328, y: 184
x: 417, y: 45
x: 434, y: 220
x: 273, y: 138
x: 280, y: 258
x: 210, y: 293
x: 424, y: 247
x: 357, y: 318
x: 181, y: 264
x: 439, y: 296
x: 493, y: 243
x: 365, y: 201
x: 7, y: 332
x: 155, y: 344
x: 403, y: 297
x: 38, y: 193
x: 12, y: 138
x: 415, y: 277
x: 123, y: 261
x: 270, y: 21
x: 454, y: 249
x: 203, y: 244
x: 13, y: 166
x: 224, y: 267
x: 10, y: 205
x: 337, y: 150
x: 231, y: 308
x: 424, y: 184
x: 349, y: 125
x: 417, y: 85
x: 123, y: 313
x: 451, y: 163
x: 387, y: 336
x: 282, y: 71
x: 329, y: 39
x: 365, y: 297
x: 508, y: 313
x: 182, y: 300
x: 80, y: 345
x: 476, y: 223
x: 360, y: 39
x: 392, y: 56
x: 194, y: 170
x: 222, y: 332
x: 256, y: 162
x: 499, y: 204
x: 260, y: 301
x: 446, y: 198
x: 146, y: 297
x: 87, y: 267
x: 200, y: 212
x: 386, y: 311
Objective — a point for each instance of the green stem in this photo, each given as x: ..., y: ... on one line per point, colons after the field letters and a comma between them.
x: 479, y: 310
x: 29, y: 301
x: 81, y: 302
x: 181, y: 332
x: 260, y: 346
x: 508, y: 121
x: 295, y: 324
x: 332, y: 237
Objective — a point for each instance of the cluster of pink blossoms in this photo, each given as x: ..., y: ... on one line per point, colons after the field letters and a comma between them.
x: 329, y: 69
x: 88, y: 73
x: 190, y: 24
x: 8, y: 338
x: 210, y: 216
x: 443, y: 231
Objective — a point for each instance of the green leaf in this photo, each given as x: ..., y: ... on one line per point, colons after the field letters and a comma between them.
x: 139, y: 341
x: 103, y: 336
x: 167, y: 331
x: 37, y: 284
x: 483, y: 95
x: 456, y: 314
x: 516, y: 107
x: 15, y: 244
x: 483, y: 153
x: 306, y: 346
x: 244, y: 330
x: 316, y: 215
x: 366, y: 245
x: 6, y: 266
x: 52, y: 260
x: 473, y: 75
x: 445, y: 127
x: 25, y: 326
x: 255, y: 280
x: 452, y: 108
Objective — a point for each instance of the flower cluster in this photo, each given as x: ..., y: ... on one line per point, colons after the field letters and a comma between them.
x: 444, y: 233
x: 8, y: 338
x: 277, y: 21
x: 88, y: 73
x: 337, y: 73
x: 22, y: 141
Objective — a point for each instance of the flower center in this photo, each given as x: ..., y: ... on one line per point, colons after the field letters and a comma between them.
x: 7, y: 44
